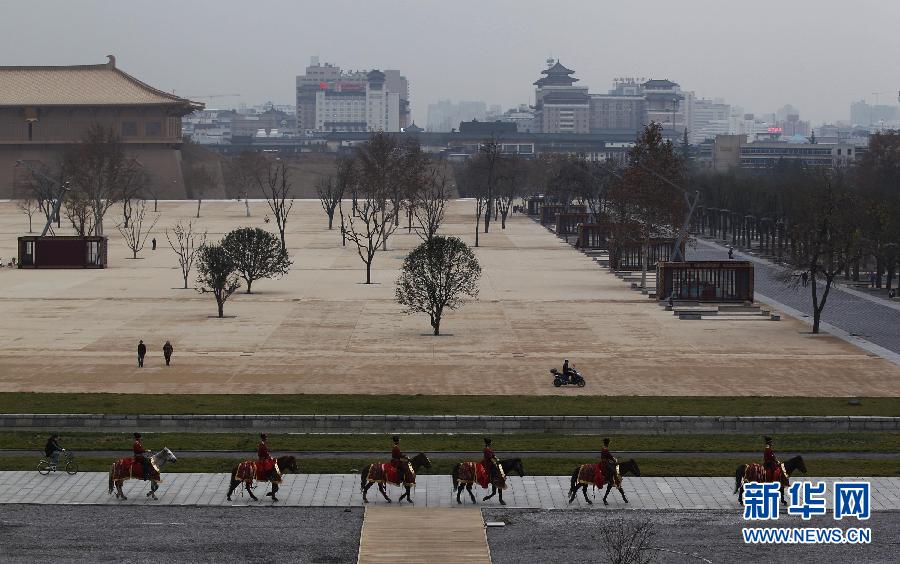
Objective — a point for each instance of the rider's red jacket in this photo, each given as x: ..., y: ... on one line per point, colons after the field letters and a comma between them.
x: 262, y: 451
x: 396, y: 456
x: 488, y: 454
x: 138, y: 449
x: 606, y: 456
x: 769, y: 455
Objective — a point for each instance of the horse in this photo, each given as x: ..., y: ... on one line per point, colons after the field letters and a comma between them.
x: 498, y: 484
x: 754, y: 472
x: 248, y: 473
x: 377, y: 473
x: 125, y: 469
x: 623, y: 469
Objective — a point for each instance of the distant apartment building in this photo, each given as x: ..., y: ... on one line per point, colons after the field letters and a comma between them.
x: 617, y: 112
x: 666, y: 106
x: 708, y: 118
x: 329, y: 99
x: 862, y: 113
x: 734, y: 151
x: 523, y: 117
x: 560, y: 106
x: 445, y: 116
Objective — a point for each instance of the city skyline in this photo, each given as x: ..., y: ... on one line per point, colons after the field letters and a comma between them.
x: 758, y: 62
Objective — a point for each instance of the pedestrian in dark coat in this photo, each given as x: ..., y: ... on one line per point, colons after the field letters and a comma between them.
x: 153, y: 243
x: 167, y: 352
x: 142, y: 351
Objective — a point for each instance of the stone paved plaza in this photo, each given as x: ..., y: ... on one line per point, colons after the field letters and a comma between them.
x: 320, y: 330
x: 342, y: 490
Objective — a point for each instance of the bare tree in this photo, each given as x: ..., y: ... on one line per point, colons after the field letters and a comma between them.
x: 428, y: 204
x: 42, y: 184
x: 365, y: 227
x: 241, y: 172
x: 132, y: 183
x: 186, y: 245
x: 273, y: 179
x: 439, y: 274
x: 199, y: 181
x: 78, y: 208
x: 330, y: 193
x: 626, y: 542
x: 96, y: 169
x: 825, y: 224
x: 26, y: 202
x: 134, y: 234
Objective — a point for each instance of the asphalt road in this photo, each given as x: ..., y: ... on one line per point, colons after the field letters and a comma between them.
x: 32, y: 533
x: 681, y: 536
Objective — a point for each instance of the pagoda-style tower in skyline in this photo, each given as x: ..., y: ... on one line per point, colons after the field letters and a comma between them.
x: 560, y: 106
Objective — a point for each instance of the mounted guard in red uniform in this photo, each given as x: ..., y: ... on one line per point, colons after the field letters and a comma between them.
x: 771, y: 464
x: 139, y: 451
x: 399, y: 461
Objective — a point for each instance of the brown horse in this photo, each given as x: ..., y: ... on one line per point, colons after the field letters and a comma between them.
x: 754, y: 472
x: 584, y: 475
x: 463, y: 476
x: 246, y: 472
x: 377, y: 474
x: 126, y: 469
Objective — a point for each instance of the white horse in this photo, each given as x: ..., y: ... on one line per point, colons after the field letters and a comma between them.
x: 121, y: 471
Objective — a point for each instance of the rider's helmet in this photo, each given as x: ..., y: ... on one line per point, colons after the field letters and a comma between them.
x: 263, y: 436
x: 606, y: 441
x: 396, y: 439
x: 487, y: 441
x: 137, y: 435
x: 768, y: 440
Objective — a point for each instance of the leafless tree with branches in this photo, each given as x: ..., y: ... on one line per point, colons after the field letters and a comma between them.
x: 428, y: 202
x: 134, y: 233
x: 187, y: 243
x: 273, y: 179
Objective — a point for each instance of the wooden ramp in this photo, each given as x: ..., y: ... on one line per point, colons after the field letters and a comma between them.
x: 412, y: 534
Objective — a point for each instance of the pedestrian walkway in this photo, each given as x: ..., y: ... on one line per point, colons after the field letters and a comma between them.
x: 342, y: 490
x: 853, y: 314
x: 444, y: 535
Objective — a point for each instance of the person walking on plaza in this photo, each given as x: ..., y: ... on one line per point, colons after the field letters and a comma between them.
x: 142, y: 351
x: 730, y: 253
x: 52, y: 450
x: 167, y: 352
x: 153, y: 244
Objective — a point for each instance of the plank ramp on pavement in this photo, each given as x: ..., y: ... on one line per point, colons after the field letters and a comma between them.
x: 412, y: 534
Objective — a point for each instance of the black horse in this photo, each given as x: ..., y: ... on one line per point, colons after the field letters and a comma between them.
x: 498, y: 484
x: 754, y: 472
x: 624, y: 468
x: 285, y: 464
x: 408, y: 480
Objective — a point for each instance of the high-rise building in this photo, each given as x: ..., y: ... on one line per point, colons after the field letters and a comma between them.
x: 665, y: 105
x: 560, y: 106
x: 708, y: 118
x: 342, y: 93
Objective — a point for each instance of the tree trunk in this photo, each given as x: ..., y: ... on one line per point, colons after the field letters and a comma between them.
x: 249, y: 283
x: 185, y: 281
x: 247, y: 205
x: 155, y: 200
x: 221, y: 305
x: 29, y: 224
x: 644, y: 260
x: 503, y: 219
x: 477, y: 221
x: 330, y: 220
x: 369, y: 271
x: 198, y: 207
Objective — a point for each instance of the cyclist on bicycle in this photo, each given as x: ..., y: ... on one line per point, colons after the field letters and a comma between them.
x: 52, y: 450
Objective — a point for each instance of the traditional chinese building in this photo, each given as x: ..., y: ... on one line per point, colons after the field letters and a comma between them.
x: 45, y: 109
x: 560, y: 106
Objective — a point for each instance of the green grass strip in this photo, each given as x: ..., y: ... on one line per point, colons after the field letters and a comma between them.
x: 216, y: 404
x: 288, y: 443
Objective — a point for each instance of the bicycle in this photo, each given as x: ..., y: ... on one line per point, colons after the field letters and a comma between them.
x: 45, y: 466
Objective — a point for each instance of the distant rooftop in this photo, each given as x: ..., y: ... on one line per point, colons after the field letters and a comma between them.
x: 81, y: 85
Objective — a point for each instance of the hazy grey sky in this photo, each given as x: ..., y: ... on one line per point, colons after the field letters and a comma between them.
x: 818, y: 55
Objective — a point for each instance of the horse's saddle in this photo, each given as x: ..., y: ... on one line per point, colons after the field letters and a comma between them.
x: 128, y: 468
x: 385, y: 472
x: 473, y: 472
x: 259, y: 470
x: 591, y: 474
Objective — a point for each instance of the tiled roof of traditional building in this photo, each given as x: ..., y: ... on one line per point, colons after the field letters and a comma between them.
x: 80, y: 85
